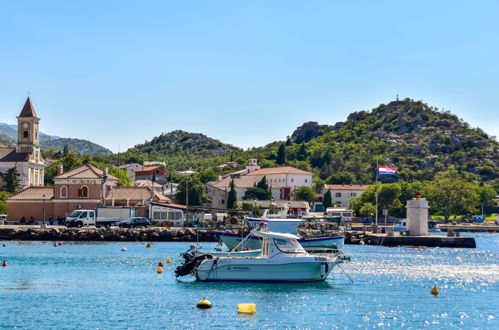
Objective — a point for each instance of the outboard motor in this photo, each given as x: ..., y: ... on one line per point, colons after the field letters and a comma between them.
x: 191, y: 263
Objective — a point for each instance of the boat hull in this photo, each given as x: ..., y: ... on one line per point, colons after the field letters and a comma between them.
x: 254, y: 243
x: 264, y: 270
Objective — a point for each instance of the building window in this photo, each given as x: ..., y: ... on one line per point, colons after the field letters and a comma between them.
x: 84, y: 192
x: 292, y: 180
x: 306, y: 180
x: 25, y: 134
x: 222, y: 202
x: 353, y: 194
x: 338, y: 194
x: 64, y: 192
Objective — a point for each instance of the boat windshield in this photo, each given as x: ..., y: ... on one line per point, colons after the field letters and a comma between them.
x: 288, y: 246
x: 75, y: 214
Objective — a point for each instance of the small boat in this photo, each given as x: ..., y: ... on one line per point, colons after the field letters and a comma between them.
x: 282, y: 225
x: 282, y: 259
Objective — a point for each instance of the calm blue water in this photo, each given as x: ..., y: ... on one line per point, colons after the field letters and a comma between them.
x: 95, y: 285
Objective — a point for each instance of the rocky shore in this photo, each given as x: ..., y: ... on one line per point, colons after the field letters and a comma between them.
x: 52, y: 233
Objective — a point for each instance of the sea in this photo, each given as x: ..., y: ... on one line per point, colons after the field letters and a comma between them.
x: 89, y: 285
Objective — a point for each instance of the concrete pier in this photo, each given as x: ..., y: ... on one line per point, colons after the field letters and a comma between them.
x: 426, y: 240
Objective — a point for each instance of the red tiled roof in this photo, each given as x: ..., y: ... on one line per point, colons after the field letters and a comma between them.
x: 346, y: 186
x: 31, y: 193
x: 86, y: 171
x: 150, y: 168
x: 28, y: 109
x: 279, y: 170
x: 175, y: 206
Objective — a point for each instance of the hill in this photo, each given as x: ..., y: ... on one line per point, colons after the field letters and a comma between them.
x: 82, y: 147
x: 416, y: 138
x: 8, y: 135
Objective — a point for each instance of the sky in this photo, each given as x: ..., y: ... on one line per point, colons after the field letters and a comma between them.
x: 248, y: 73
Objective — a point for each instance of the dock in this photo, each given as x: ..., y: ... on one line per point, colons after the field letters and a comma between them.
x: 426, y: 240
x: 473, y: 228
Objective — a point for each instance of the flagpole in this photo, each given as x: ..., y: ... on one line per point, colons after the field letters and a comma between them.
x: 377, y: 172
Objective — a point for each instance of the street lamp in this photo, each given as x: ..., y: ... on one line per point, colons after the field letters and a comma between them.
x: 44, y: 208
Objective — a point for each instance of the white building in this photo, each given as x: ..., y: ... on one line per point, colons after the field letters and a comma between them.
x: 25, y: 156
x: 172, y: 214
x: 281, y: 180
x: 342, y: 193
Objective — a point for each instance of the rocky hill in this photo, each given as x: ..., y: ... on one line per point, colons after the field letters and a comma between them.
x: 82, y: 147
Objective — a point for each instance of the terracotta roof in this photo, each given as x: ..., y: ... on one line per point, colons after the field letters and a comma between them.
x: 346, y: 186
x: 33, y: 193
x: 280, y: 204
x: 10, y: 155
x: 146, y: 183
x: 242, y: 182
x: 86, y: 171
x: 28, y: 110
x: 278, y: 170
x: 150, y: 168
x: 131, y: 193
x: 175, y: 206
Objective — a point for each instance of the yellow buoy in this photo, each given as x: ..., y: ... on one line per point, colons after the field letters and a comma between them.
x: 204, y: 304
x: 434, y: 291
x: 246, y: 308
x: 168, y: 260
x: 148, y: 245
x: 159, y: 270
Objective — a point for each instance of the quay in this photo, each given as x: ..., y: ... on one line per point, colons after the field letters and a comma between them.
x: 469, y: 228
x: 426, y: 240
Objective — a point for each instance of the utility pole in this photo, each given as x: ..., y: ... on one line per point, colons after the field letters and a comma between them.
x: 186, y: 200
x: 43, y: 208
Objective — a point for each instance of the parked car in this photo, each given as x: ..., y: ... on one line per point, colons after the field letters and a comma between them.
x: 134, y: 222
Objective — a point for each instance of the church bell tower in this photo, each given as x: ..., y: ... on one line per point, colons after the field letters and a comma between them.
x: 27, y: 130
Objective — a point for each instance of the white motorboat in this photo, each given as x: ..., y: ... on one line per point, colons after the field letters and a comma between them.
x: 282, y: 225
x: 282, y: 259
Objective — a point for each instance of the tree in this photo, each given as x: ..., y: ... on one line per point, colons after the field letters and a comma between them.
x: 367, y: 210
x: 11, y: 178
x: 328, y: 200
x: 341, y: 178
x: 281, y: 155
x: 207, y: 175
x: 232, y: 198
x: 304, y: 193
x: 196, y: 189
x: 302, y: 153
x: 450, y: 195
x: 260, y: 192
x: 3, y: 201
x: 486, y: 194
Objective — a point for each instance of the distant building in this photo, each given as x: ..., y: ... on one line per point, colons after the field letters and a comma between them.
x: 186, y: 172
x: 173, y: 214
x: 25, y: 156
x: 85, y: 187
x: 149, y: 184
x: 281, y: 180
x: 153, y: 173
x: 131, y: 169
x: 342, y: 193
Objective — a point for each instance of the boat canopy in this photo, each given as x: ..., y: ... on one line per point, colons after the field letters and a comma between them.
x: 270, y: 234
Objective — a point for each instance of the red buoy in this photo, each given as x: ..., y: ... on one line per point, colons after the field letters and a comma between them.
x: 160, y: 264
x: 4, y: 264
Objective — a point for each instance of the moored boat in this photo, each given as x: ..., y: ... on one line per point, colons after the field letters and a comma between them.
x: 282, y: 259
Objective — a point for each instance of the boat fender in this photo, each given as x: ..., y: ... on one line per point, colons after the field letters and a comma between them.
x: 246, y: 308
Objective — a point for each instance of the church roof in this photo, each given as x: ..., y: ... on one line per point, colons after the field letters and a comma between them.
x: 86, y: 171
x: 10, y: 155
x: 28, y: 109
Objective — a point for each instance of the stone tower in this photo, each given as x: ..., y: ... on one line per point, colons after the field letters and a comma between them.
x: 417, y: 216
x: 28, y: 130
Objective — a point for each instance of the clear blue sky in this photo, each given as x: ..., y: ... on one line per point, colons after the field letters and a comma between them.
x: 246, y: 72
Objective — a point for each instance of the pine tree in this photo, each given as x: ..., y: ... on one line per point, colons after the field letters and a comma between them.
x: 232, y: 198
x: 281, y: 155
x: 302, y: 153
x: 11, y: 178
x: 328, y: 200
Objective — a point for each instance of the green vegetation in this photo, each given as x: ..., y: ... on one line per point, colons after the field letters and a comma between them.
x: 304, y: 194
x: 11, y: 179
x: 3, y: 201
x: 191, y: 191
x: 232, y: 197
x: 260, y: 192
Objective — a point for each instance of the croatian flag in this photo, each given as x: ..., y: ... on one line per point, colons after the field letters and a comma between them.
x: 386, y: 170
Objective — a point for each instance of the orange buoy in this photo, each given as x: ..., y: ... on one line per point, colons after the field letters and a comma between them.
x: 160, y: 264
x: 4, y: 264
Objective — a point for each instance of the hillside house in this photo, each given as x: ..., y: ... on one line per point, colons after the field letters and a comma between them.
x: 342, y: 193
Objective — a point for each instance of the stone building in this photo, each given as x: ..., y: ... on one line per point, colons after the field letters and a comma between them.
x: 25, y: 156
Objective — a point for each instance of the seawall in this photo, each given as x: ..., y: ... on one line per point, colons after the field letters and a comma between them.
x: 155, y: 234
